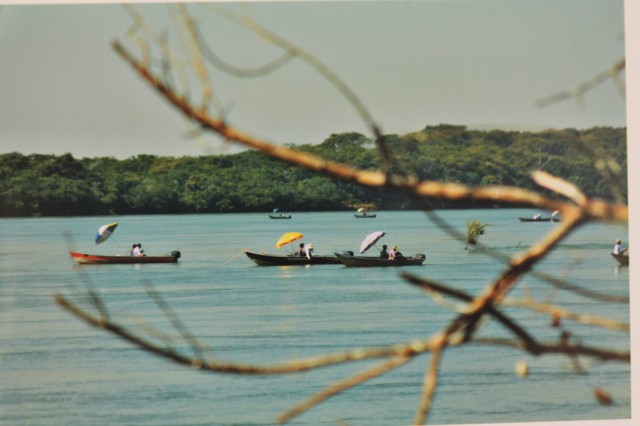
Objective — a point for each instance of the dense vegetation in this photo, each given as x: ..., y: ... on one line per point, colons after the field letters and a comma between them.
x: 48, y: 185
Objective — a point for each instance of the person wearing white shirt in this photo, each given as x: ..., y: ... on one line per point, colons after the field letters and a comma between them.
x: 617, y: 249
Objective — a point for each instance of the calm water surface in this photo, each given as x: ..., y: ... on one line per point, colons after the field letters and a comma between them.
x: 57, y: 371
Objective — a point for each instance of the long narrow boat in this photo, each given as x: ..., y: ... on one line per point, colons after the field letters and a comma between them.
x: 279, y: 216
x: 531, y: 219
x: 351, y: 260
x: 364, y: 215
x: 264, y: 259
x: 99, y: 259
x: 623, y: 259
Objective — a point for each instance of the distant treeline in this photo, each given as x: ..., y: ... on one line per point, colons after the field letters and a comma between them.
x: 49, y: 185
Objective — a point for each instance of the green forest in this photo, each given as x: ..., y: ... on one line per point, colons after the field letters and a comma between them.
x: 50, y: 185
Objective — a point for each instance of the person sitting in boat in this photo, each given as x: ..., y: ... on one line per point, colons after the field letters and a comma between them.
x: 537, y: 216
x: 308, y: 250
x: 133, y: 250
x: 137, y: 250
x: 394, y: 253
x: 384, y: 254
x: 300, y: 251
x: 617, y: 249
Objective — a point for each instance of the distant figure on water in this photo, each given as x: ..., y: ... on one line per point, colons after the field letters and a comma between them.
x: 309, y: 252
x: 394, y: 253
x: 384, y: 254
x: 617, y: 248
x: 300, y: 251
x: 136, y: 250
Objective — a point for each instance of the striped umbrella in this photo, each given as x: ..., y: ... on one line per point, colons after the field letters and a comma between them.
x: 105, y: 232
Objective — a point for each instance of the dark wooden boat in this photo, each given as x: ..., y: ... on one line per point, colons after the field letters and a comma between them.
x: 264, y: 259
x: 99, y: 259
x: 279, y: 216
x: 351, y: 260
x: 531, y: 219
x: 364, y: 215
x: 623, y: 259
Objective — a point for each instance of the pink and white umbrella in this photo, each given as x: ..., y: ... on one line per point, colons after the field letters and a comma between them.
x: 371, y: 240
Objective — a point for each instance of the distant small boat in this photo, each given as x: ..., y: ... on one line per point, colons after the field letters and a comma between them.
x: 275, y: 214
x: 623, y: 259
x: 348, y: 259
x: 364, y: 215
x: 99, y: 259
x: 536, y: 219
x: 264, y: 259
x: 279, y: 216
x: 361, y: 213
x: 555, y: 217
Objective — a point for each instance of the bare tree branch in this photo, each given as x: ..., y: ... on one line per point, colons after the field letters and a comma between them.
x: 343, y: 385
x: 581, y: 89
x: 576, y: 208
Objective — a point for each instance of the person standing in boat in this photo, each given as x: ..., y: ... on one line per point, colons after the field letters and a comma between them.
x: 617, y: 249
x: 384, y: 254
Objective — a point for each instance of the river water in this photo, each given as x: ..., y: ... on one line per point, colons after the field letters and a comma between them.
x: 55, y: 370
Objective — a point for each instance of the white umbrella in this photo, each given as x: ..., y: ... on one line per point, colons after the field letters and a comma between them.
x: 370, y: 240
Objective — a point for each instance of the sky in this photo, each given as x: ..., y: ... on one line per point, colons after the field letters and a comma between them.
x: 482, y: 64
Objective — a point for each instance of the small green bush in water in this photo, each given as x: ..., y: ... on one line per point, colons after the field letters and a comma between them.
x: 474, y: 230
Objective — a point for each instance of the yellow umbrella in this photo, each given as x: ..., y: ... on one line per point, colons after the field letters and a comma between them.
x: 288, y: 238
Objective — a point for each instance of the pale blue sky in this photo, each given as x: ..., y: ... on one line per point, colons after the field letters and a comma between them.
x: 480, y: 63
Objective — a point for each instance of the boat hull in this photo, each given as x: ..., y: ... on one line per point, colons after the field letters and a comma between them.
x: 371, y: 261
x: 364, y: 215
x: 291, y: 260
x: 97, y: 259
x: 529, y: 219
x: 621, y: 258
x: 280, y: 216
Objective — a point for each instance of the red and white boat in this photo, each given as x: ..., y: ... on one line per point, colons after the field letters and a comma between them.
x: 99, y: 259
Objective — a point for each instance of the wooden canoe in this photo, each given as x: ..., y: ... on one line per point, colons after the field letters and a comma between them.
x: 623, y: 259
x: 99, y: 259
x: 364, y: 261
x: 264, y: 259
x: 279, y: 216
x: 530, y: 219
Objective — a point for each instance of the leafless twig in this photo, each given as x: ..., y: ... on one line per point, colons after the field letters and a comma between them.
x: 462, y: 329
